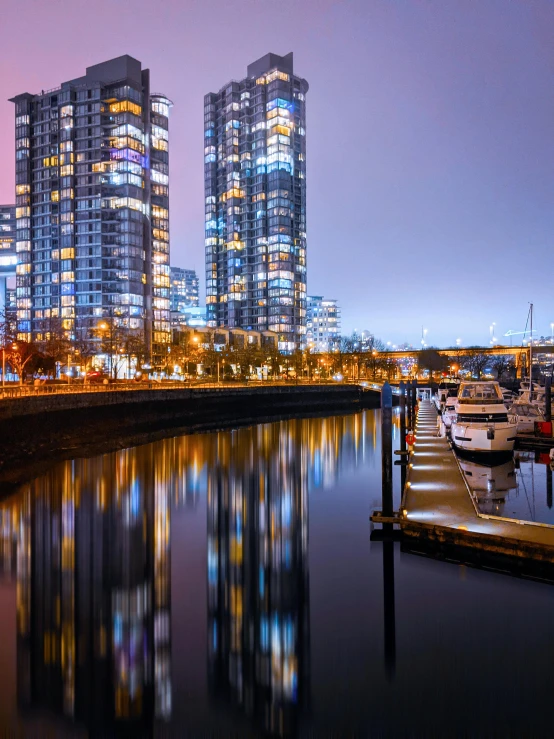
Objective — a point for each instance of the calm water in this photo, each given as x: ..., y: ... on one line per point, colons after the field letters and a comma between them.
x: 225, y: 585
x: 520, y: 488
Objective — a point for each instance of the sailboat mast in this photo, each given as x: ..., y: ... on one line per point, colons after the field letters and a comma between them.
x: 531, y: 356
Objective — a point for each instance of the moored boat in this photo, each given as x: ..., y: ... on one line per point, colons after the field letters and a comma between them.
x: 449, y: 412
x: 481, y: 424
x: 525, y: 415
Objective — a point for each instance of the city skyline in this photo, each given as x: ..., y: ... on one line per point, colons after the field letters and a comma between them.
x: 446, y: 150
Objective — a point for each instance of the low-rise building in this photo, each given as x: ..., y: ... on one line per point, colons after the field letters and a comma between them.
x: 195, y: 316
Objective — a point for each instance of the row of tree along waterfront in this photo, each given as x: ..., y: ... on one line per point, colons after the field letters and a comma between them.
x: 117, y: 353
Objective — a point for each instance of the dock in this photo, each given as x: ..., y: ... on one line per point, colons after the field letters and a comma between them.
x: 438, y: 508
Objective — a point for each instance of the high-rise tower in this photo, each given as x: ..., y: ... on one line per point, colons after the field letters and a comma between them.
x: 92, y: 198
x: 8, y: 258
x: 255, y: 190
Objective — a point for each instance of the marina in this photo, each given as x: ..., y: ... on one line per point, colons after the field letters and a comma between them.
x: 458, y: 502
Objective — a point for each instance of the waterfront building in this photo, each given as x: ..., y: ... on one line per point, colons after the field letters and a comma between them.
x: 8, y: 260
x: 255, y: 202
x: 220, y: 339
x: 323, y: 324
x: 92, y: 206
x: 94, y: 619
x: 194, y: 316
x: 184, y: 289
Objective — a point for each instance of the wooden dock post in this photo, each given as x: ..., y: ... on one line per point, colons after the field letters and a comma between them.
x: 402, y: 389
x: 548, y: 486
x: 548, y: 399
x: 413, y: 393
x: 386, y: 450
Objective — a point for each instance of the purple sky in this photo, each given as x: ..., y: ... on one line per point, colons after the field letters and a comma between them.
x: 430, y: 139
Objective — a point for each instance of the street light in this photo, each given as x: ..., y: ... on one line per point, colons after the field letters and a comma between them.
x: 491, y: 329
x: 552, y: 333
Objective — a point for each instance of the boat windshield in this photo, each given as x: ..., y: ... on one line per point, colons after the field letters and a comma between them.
x: 527, y: 410
x: 480, y: 393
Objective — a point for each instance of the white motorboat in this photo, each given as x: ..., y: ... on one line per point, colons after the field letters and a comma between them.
x: 535, y: 396
x: 525, y: 415
x: 508, y: 395
x: 439, y: 398
x: 449, y: 412
x: 481, y: 423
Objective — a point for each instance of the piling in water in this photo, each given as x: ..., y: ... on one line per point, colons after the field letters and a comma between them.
x: 386, y: 448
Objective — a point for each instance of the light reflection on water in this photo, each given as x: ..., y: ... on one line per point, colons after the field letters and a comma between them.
x: 224, y: 584
x: 520, y: 488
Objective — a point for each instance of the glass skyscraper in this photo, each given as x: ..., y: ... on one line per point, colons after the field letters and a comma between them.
x: 8, y: 260
x: 323, y: 324
x: 184, y: 289
x: 255, y: 190
x: 92, y: 206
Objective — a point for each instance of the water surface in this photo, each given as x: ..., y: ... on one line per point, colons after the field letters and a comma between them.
x: 225, y: 584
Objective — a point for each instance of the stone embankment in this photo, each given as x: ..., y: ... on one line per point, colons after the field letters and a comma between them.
x: 36, y: 431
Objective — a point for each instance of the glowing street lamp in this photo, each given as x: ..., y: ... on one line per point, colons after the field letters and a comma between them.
x: 491, y: 329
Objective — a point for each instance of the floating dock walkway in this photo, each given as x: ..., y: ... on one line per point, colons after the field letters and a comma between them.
x: 438, y: 508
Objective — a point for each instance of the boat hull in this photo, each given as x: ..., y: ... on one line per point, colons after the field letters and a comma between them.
x: 481, y: 439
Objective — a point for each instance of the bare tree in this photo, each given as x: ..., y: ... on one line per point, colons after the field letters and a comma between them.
x: 475, y: 361
x: 18, y: 356
x: 54, y: 345
x: 502, y: 364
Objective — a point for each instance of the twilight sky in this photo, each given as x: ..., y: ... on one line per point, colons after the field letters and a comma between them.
x: 430, y: 139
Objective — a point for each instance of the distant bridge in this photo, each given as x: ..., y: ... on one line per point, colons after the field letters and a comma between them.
x: 520, y: 353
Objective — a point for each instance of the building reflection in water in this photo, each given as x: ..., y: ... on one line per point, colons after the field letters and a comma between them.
x: 93, y: 590
x: 258, y: 604
x: 89, y: 543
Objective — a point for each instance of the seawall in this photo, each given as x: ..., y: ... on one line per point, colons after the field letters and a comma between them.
x: 37, y: 431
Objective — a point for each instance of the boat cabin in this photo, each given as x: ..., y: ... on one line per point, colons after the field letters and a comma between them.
x: 479, y: 393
